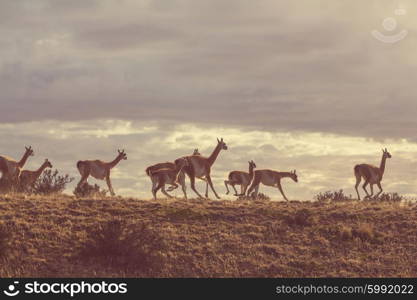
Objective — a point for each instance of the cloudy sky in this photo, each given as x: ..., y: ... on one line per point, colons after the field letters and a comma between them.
x: 290, y: 84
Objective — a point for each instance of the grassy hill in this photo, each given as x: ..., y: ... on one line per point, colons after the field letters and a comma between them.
x: 66, y: 237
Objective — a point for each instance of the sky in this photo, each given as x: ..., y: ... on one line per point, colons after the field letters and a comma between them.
x: 299, y: 85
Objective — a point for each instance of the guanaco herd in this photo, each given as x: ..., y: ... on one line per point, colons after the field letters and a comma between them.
x: 173, y: 173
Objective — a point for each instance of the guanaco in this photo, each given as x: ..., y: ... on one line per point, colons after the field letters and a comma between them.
x: 200, y: 166
x: 371, y: 174
x: 11, y: 169
x: 99, y: 169
x: 28, y: 178
x: 270, y: 178
x: 167, y: 176
x: 240, y: 178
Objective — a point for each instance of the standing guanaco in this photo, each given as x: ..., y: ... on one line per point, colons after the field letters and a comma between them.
x: 28, y: 178
x: 10, y: 168
x: 371, y: 174
x: 200, y: 166
x: 240, y: 178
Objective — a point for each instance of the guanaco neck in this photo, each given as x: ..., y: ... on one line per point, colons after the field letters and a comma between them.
x: 212, y: 158
x: 382, y: 166
x: 22, y: 162
x: 115, y: 161
x: 284, y: 174
x: 40, y: 170
x: 251, y: 172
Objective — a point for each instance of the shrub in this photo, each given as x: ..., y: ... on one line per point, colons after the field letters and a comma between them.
x: 391, y: 197
x: 332, y: 196
x: 50, y: 182
x: 260, y: 196
x: 302, y: 217
x: 117, y: 245
x: 88, y: 190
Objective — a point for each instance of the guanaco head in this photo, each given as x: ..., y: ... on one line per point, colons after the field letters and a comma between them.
x: 196, y: 152
x: 386, y: 154
x: 252, y: 164
x: 29, y: 151
x: 122, y: 154
x: 294, y: 176
x: 48, y: 163
x: 222, y: 144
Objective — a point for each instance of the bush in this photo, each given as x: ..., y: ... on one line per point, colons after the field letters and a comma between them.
x: 260, y: 196
x: 88, y: 190
x: 117, y: 245
x: 391, y: 197
x: 332, y: 196
x: 302, y: 217
x: 50, y: 182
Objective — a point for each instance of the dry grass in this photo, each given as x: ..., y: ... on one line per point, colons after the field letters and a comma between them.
x: 115, y: 237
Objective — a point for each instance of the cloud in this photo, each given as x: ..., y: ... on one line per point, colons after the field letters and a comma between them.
x: 263, y: 65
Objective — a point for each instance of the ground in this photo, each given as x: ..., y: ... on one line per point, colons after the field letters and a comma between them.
x: 51, y: 237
